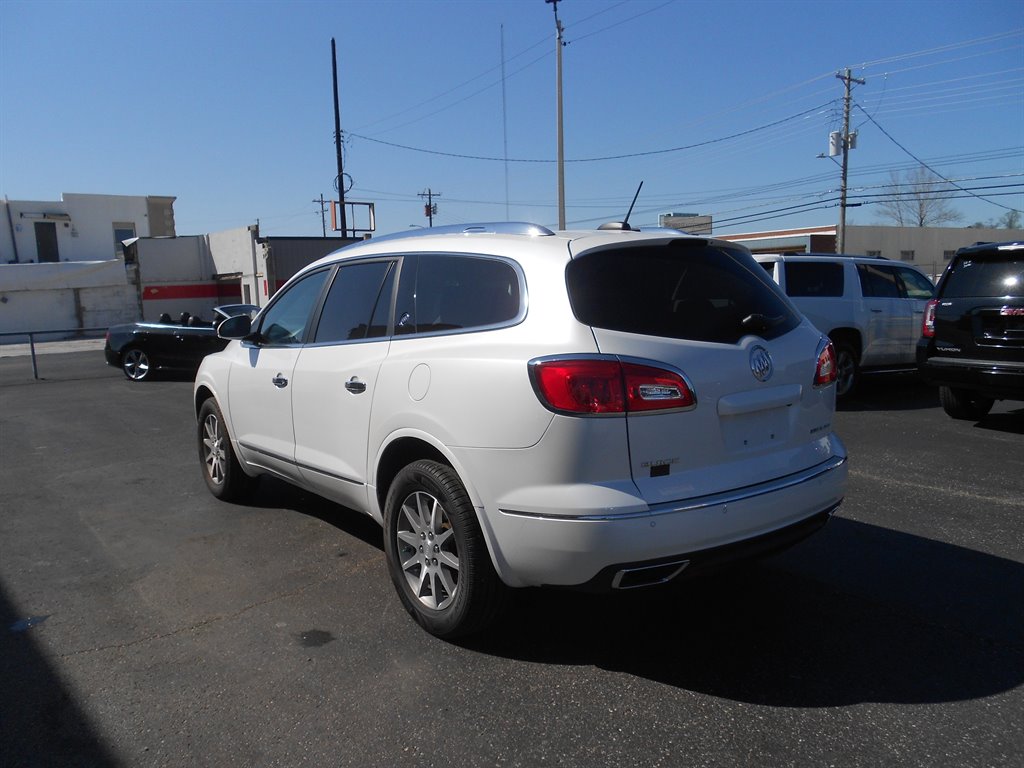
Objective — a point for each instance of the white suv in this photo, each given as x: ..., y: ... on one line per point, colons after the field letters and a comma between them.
x: 523, y: 407
x: 870, y: 307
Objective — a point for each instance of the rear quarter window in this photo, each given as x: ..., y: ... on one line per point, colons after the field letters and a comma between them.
x: 687, y: 289
x: 814, y: 279
x: 440, y: 293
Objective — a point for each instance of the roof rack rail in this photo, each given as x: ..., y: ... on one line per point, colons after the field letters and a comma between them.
x: 486, y: 228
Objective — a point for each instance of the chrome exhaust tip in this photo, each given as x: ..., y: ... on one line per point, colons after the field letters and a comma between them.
x: 648, y: 575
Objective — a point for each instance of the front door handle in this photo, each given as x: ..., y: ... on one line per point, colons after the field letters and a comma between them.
x: 355, y: 386
x: 279, y: 381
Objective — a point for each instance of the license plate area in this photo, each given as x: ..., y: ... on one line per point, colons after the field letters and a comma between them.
x: 755, y: 431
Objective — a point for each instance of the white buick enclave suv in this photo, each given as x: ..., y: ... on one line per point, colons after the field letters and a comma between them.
x: 521, y: 407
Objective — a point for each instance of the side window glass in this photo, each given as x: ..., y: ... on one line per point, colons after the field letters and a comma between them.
x: 451, y: 293
x: 814, y: 278
x: 286, y: 320
x: 879, y: 281
x: 357, y: 303
x: 917, y: 285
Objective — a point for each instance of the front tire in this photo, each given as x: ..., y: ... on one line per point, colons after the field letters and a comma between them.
x: 436, y: 553
x: 964, y: 404
x: 221, y: 471
x: 135, y: 364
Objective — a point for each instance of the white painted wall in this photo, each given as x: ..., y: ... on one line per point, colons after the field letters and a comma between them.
x: 88, y: 236
x: 39, y: 297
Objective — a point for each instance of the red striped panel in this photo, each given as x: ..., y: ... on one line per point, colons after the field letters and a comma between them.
x: 193, y: 291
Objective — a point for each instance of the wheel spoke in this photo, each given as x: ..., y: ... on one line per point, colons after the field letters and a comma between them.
x: 423, y: 580
x: 448, y: 559
x: 412, y: 562
x: 410, y: 538
x: 449, y: 586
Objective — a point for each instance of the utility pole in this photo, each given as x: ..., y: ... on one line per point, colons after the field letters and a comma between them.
x: 340, y: 181
x: 430, y: 207
x: 848, y: 80
x: 323, y: 213
x: 558, y: 119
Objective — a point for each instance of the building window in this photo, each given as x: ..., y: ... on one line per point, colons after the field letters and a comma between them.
x: 875, y: 254
x: 947, y: 255
x: 123, y: 230
x: 907, y: 255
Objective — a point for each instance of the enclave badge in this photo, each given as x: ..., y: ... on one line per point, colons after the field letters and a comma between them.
x: 761, y: 363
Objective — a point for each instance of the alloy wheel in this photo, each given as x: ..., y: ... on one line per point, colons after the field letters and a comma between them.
x: 136, y: 364
x: 428, y: 551
x: 214, y: 455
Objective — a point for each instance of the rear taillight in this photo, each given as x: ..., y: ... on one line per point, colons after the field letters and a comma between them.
x: 825, y: 373
x: 928, y: 324
x: 608, y: 386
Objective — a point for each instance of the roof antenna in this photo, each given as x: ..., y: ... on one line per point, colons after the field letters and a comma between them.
x: 624, y: 224
x: 630, y: 211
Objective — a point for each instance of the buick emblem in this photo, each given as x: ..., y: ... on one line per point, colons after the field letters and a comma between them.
x: 761, y: 363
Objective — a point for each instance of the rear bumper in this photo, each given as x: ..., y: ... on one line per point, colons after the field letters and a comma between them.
x: 662, y: 570
x: 1000, y: 380
x: 113, y: 358
x: 590, y: 550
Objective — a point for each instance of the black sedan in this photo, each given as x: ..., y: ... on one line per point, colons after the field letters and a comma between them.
x: 138, y: 349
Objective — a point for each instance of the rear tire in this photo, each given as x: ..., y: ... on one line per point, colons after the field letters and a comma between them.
x: 847, y: 370
x: 964, y: 404
x: 221, y: 471
x: 135, y: 364
x: 436, y: 553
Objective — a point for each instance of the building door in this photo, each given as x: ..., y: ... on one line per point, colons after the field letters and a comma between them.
x: 46, y: 241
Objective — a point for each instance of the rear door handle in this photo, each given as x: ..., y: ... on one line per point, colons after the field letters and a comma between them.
x: 279, y: 381
x: 355, y: 386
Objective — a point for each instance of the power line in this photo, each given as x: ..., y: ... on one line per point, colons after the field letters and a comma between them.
x: 923, y: 163
x: 595, y: 159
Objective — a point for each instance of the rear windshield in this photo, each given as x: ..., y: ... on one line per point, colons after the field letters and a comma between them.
x: 989, y: 275
x: 686, y: 289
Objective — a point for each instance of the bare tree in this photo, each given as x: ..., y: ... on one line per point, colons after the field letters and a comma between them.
x: 919, y: 198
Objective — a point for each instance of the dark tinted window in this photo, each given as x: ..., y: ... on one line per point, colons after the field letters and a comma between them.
x: 286, y: 319
x: 879, y: 281
x: 988, y: 276
x: 357, y: 304
x: 448, y: 293
x: 814, y: 278
x: 683, y: 290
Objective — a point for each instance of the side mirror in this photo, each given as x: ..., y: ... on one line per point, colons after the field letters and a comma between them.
x: 237, y: 327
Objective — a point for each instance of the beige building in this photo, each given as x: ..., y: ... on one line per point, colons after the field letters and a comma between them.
x: 929, y: 248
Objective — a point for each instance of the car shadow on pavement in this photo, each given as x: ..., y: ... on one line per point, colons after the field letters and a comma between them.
x: 40, y: 722
x: 272, y: 493
x: 857, y: 614
x: 1010, y: 421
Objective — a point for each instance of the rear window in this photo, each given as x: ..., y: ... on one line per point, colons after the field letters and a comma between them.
x: 684, y: 290
x: 815, y: 278
x: 991, y: 275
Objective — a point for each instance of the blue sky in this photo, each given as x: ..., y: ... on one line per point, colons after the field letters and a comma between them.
x: 722, y: 106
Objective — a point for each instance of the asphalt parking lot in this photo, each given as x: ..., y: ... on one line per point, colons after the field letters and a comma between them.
x: 144, y: 623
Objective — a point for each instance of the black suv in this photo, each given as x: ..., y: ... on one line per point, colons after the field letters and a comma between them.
x: 973, y: 331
